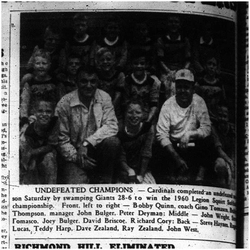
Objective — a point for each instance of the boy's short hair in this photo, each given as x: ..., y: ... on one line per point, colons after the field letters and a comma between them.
x: 138, y: 53
x: 42, y: 53
x: 89, y: 70
x: 79, y: 17
x: 102, y: 51
x: 212, y: 56
x: 44, y: 99
x: 73, y: 56
x: 135, y: 102
x: 52, y: 29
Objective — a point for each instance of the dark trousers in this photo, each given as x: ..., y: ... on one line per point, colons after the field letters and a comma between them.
x: 105, y: 154
x: 44, y: 170
x: 164, y: 166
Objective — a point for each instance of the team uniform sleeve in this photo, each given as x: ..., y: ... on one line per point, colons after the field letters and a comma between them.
x: 120, y: 82
x: 154, y: 94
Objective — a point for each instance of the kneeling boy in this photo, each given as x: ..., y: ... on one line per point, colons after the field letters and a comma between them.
x: 37, y: 146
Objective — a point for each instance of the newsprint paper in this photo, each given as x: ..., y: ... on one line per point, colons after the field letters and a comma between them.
x: 159, y: 214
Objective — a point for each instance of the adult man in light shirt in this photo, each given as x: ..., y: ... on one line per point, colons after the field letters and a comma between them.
x: 182, y: 127
x: 88, y: 126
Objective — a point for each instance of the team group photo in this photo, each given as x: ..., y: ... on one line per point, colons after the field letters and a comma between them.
x: 127, y: 98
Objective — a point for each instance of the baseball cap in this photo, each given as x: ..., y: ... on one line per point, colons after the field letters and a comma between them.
x: 184, y: 74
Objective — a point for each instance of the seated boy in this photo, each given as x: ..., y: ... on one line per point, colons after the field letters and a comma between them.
x: 224, y: 142
x: 136, y: 140
x: 37, y: 146
x: 182, y: 127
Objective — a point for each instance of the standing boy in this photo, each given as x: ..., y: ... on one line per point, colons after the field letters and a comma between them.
x: 210, y: 87
x: 81, y: 42
x: 111, y: 80
x: 114, y: 42
x: 173, y: 53
x: 141, y: 86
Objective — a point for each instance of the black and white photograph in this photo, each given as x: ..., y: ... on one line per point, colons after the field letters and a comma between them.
x: 124, y: 122
x: 169, y: 116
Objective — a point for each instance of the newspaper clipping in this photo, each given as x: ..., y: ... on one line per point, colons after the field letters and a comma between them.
x: 118, y: 125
